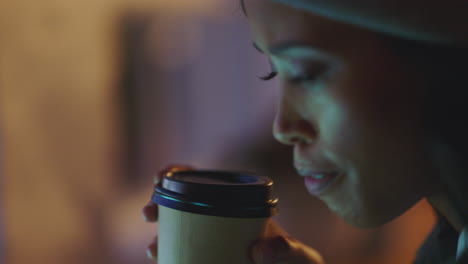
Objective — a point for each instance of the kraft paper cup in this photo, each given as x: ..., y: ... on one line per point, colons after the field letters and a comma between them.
x: 211, y: 217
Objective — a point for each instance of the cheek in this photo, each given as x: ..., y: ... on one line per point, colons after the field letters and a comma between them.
x: 362, y: 139
x: 373, y: 166
x: 334, y: 127
x: 369, y: 107
x: 340, y: 130
x: 368, y: 147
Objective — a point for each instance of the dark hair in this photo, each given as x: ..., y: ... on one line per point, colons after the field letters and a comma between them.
x: 445, y: 105
x: 446, y: 114
x: 446, y: 87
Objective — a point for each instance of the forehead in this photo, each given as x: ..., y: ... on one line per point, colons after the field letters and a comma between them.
x: 273, y: 23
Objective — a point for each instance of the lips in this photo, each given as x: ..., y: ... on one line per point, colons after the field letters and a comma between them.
x: 318, y: 182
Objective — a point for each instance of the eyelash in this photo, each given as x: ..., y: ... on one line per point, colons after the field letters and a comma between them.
x: 269, y: 76
x: 313, y: 75
x: 294, y: 80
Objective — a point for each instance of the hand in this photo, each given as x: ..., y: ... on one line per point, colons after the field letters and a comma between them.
x: 279, y: 247
x: 276, y: 247
x: 150, y: 211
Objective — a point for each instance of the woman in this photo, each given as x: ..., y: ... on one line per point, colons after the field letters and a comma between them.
x: 375, y: 119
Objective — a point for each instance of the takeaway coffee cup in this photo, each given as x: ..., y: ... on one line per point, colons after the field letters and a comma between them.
x: 211, y: 217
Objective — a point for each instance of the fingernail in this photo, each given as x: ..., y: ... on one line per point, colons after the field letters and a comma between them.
x: 149, y: 254
x: 280, y: 248
x: 156, y: 179
x: 263, y: 254
x: 144, y: 214
x: 148, y: 213
x: 273, y: 250
x: 151, y: 251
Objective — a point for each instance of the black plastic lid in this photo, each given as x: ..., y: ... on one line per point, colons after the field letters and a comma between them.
x: 218, y: 193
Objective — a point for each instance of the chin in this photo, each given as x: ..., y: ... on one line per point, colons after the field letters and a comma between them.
x: 363, y: 222
x: 362, y: 218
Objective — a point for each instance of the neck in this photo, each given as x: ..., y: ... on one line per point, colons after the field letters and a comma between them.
x: 447, y: 167
x: 441, y: 204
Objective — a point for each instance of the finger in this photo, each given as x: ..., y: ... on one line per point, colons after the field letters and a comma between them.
x: 179, y: 167
x: 152, y: 250
x: 170, y: 168
x: 284, y: 249
x: 273, y: 229
x: 150, y: 212
x: 270, y: 250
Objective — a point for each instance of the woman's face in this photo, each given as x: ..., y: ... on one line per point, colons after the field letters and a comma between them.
x: 351, y: 110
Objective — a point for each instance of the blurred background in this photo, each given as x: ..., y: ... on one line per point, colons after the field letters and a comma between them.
x: 97, y: 96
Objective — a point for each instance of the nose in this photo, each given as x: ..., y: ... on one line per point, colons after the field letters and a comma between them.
x: 290, y: 128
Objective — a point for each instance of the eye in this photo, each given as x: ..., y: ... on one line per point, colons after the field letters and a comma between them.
x: 303, y: 78
x: 310, y: 73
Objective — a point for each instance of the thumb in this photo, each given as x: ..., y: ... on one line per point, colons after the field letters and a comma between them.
x: 285, y: 250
